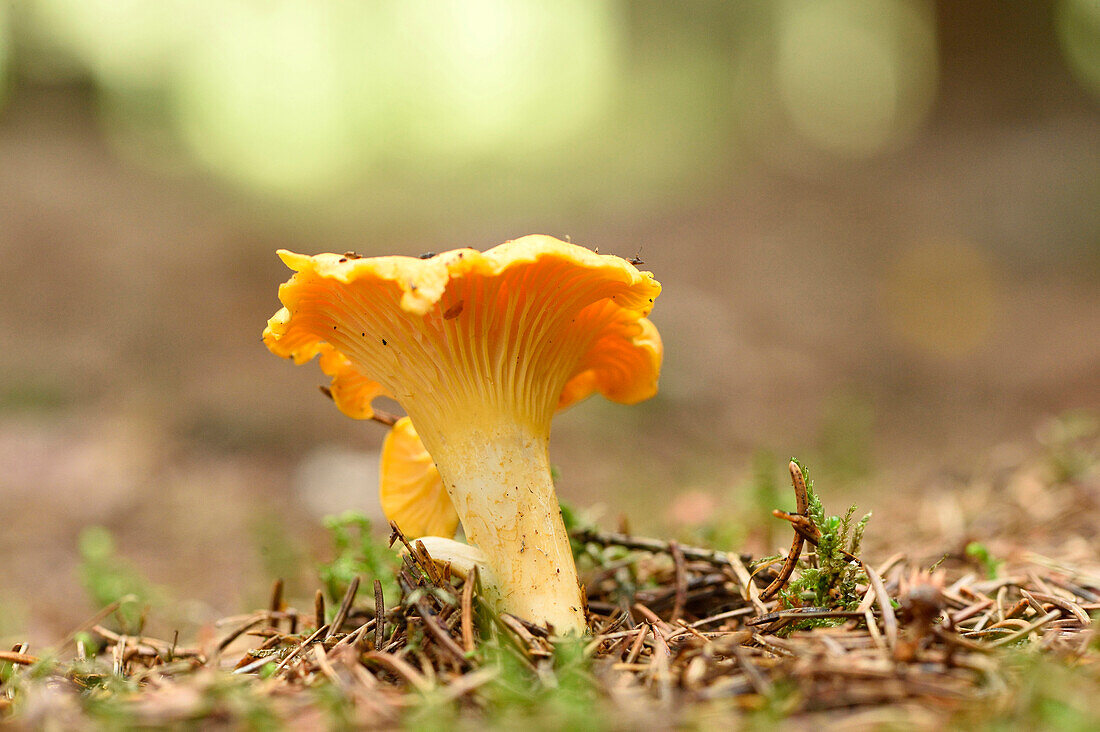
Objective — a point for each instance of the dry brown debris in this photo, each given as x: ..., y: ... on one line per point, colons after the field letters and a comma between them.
x: 678, y: 633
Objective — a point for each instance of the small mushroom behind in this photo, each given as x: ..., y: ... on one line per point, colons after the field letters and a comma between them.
x: 410, y: 488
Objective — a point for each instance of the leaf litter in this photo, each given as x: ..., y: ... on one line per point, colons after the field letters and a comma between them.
x: 680, y: 636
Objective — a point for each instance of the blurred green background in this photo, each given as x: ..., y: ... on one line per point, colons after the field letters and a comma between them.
x: 876, y: 223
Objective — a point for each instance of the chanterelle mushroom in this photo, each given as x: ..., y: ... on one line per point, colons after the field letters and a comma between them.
x: 481, y: 348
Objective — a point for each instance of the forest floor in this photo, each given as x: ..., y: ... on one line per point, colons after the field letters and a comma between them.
x: 861, y: 624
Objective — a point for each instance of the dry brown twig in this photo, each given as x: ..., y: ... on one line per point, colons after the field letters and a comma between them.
x: 798, y: 480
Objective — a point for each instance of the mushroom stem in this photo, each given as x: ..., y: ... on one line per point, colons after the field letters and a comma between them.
x: 498, y: 476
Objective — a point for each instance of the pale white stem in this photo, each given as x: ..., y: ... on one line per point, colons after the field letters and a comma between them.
x: 498, y: 476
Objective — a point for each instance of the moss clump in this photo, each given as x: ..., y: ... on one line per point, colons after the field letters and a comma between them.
x: 828, y: 578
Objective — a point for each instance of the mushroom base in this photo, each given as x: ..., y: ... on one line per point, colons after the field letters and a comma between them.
x: 499, y: 481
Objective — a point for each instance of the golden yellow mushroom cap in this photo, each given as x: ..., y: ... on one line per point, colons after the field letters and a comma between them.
x: 533, y: 324
x: 411, y: 490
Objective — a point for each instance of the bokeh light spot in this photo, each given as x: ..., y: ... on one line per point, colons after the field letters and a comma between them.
x: 306, y: 96
x: 5, y: 46
x: 1078, y: 25
x: 261, y: 99
x: 856, y: 76
x: 941, y: 298
x: 125, y: 44
x: 493, y: 74
x: 693, y: 508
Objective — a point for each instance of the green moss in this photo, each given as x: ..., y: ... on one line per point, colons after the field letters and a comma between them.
x: 829, y: 577
x: 1047, y: 694
x: 980, y: 553
x: 357, y: 553
x: 108, y: 578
